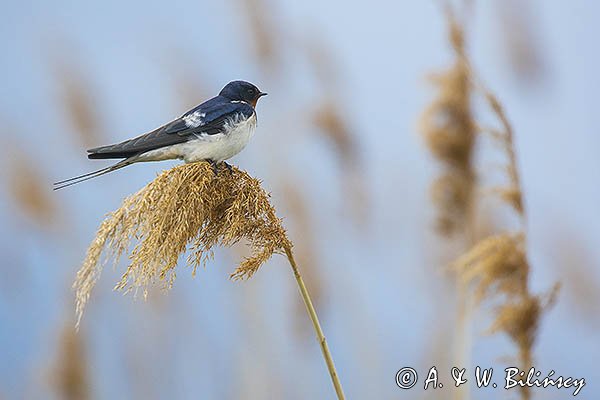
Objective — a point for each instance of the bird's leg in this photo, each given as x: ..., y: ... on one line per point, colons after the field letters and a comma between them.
x: 229, y: 167
x: 214, y: 166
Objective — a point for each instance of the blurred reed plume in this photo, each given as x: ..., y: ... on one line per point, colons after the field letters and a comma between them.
x: 447, y: 125
x: 517, y: 23
x: 26, y: 185
x: 511, y: 193
x: 520, y: 312
x: 497, y: 265
x: 192, y: 206
x: 320, y: 57
x: 70, y: 375
x: 448, y: 128
x: 519, y: 317
x: 263, y: 32
x: 79, y: 104
x: 328, y: 117
x: 183, y: 72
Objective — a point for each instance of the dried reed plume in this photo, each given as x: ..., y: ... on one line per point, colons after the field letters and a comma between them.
x: 70, y: 376
x: 505, y: 265
x: 26, y: 186
x: 328, y: 118
x: 190, y: 206
x: 187, y: 206
x: 447, y: 126
x: 519, y: 319
x: 79, y: 104
x: 263, y: 31
x: 183, y: 72
x: 497, y: 265
x: 517, y: 23
x: 511, y: 193
x: 449, y: 132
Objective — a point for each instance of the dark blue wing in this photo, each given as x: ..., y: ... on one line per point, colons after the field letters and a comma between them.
x: 208, y: 118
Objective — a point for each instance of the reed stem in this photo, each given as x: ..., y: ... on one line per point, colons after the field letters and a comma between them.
x: 316, y: 325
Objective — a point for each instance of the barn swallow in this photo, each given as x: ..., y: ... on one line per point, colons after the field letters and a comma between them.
x: 214, y: 131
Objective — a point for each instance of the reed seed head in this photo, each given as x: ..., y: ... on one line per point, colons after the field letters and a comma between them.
x: 495, y: 264
x: 77, y: 98
x: 263, y: 32
x: 512, y: 193
x: 327, y: 117
x: 519, y: 318
x: 70, y: 375
x: 450, y: 192
x: 25, y: 185
x: 449, y: 131
x: 185, y: 207
x: 447, y: 124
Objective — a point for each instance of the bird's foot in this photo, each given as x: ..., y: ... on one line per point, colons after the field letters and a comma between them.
x: 229, y: 167
x: 215, y: 166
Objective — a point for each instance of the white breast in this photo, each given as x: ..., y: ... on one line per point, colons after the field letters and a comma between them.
x: 219, y: 147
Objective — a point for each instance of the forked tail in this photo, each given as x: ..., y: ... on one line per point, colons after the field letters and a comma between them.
x: 94, y: 174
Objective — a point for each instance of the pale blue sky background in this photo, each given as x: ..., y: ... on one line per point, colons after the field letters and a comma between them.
x: 384, y: 289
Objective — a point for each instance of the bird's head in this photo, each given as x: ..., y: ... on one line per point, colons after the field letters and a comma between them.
x: 242, y: 91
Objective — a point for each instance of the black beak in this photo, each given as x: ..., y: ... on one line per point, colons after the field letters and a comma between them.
x: 261, y: 94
